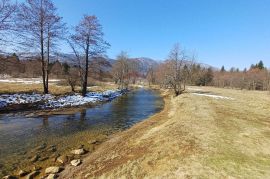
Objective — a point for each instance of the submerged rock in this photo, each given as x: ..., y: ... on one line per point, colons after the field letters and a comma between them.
x: 62, y: 159
x: 76, y: 163
x: 51, y: 148
x: 22, y: 173
x: 78, y: 151
x: 41, y: 147
x: 35, y: 158
x: 52, y: 170
x: 93, y: 141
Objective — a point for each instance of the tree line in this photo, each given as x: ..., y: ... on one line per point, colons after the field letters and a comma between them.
x: 35, y: 26
x: 257, y: 77
x: 38, y: 28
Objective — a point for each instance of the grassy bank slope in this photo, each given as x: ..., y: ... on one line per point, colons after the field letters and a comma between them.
x: 193, y: 137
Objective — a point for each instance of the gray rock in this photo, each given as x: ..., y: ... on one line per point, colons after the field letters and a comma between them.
x: 32, y: 174
x: 76, y: 163
x: 78, y: 151
x: 52, y: 170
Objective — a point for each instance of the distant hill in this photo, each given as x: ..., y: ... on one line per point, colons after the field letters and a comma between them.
x: 145, y: 64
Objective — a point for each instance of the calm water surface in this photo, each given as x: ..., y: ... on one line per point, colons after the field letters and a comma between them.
x: 19, y: 135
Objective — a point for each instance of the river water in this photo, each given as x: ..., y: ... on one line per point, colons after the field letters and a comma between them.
x: 21, y: 135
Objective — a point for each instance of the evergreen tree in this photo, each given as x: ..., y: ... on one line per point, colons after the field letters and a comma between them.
x: 222, y: 69
x: 260, y: 65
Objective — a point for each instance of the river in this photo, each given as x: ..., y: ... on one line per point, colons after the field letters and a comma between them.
x: 20, y: 136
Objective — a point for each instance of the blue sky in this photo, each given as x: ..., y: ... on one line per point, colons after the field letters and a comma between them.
x: 220, y: 32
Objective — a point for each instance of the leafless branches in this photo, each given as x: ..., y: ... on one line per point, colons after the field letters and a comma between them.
x: 40, y: 27
x: 87, y: 42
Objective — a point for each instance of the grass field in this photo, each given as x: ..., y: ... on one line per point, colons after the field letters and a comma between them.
x: 54, y: 88
x: 193, y: 137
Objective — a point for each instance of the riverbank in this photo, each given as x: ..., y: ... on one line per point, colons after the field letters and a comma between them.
x: 206, y: 133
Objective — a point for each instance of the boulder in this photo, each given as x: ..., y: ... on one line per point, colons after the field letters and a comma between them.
x: 52, y: 170
x: 78, y: 151
x: 76, y: 163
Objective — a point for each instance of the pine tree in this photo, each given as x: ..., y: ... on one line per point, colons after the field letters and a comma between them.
x: 222, y: 69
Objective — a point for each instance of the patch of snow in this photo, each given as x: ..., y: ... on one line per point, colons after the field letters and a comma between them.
x: 7, y: 99
x: 213, y: 96
x: 77, y: 100
x: 195, y: 89
x: 26, y: 80
x: 89, y: 87
x: 50, y: 101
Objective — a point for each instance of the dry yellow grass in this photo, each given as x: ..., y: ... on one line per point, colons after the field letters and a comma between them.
x: 10, y: 88
x: 193, y: 137
x: 28, y: 88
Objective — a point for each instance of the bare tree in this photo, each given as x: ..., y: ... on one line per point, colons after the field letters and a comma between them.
x: 176, y: 69
x: 7, y: 12
x: 151, y: 76
x: 39, y: 27
x: 87, y: 42
x: 120, y: 70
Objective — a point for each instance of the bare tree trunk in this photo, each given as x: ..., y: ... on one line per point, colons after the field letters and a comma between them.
x: 48, y: 63
x: 84, y: 90
x: 45, y: 89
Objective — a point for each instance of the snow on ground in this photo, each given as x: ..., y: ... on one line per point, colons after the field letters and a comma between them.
x: 26, y: 80
x: 76, y: 99
x: 50, y: 101
x: 213, y: 96
x: 195, y: 89
x: 6, y: 99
